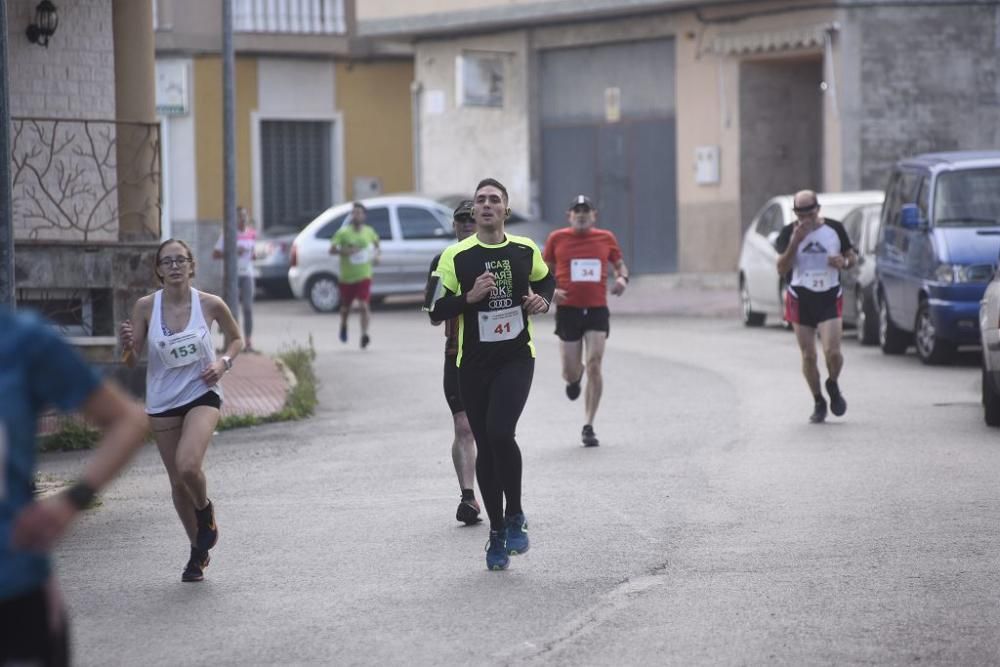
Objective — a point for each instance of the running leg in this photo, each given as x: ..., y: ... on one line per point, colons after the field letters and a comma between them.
x: 595, y: 343
x: 196, y: 434
x: 507, y: 396
x: 463, y: 452
x: 167, y: 433
x: 475, y: 389
x: 830, y: 334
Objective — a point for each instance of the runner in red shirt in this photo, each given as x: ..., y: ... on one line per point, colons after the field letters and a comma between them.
x: 579, y: 256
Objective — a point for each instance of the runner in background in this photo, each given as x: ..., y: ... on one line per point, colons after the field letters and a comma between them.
x: 463, y: 447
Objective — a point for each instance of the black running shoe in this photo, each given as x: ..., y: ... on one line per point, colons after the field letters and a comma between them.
x: 195, y: 569
x: 573, y: 390
x: 208, y: 532
x: 838, y: 406
x: 343, y: 334
x: 588, y: 436
x: 365, y: 340
x: 819, y: 413
x: 468, y: 512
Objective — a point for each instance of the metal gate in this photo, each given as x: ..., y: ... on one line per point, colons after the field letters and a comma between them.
x: 609, y: 131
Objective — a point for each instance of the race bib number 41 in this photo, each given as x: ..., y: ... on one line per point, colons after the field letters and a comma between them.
x: 500, y: 325
x: 585, y: 270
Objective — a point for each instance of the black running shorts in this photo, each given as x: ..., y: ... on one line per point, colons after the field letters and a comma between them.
x: 26, y: 636
x: 209, y: 398
x: 572, y: 323
x: 451, y: 392
x: 809, y: 308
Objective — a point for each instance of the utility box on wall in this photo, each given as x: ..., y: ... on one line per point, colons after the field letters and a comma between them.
x: 706, y: 165
x: 367, y: 186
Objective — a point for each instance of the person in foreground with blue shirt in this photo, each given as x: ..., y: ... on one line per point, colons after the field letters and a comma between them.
x: 39, y: 370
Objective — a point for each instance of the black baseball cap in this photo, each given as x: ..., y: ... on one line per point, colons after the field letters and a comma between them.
x: 581, y: 200
x: 464, y: 208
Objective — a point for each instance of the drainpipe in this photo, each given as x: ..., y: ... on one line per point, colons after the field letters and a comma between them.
x: 416, y: 88
x: 6, y: 209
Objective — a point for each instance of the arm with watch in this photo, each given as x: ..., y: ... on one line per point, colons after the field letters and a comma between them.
x: 222, y: 316
x: 621, y: 278
x: 124, y: 426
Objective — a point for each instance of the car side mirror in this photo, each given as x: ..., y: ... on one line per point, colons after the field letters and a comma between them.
x: 909, y: 217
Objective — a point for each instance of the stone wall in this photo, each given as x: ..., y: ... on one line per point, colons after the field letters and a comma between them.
x: 928, y: 81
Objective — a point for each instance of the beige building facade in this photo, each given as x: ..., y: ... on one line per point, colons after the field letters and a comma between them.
x: 764, y: 98
x: 321, y: 116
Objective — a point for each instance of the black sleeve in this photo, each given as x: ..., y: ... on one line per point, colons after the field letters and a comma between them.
x: 431, y: 286
x: 845, y: 240
x: 545, y: 287
x: 784, y: 238
x: 448, y: 306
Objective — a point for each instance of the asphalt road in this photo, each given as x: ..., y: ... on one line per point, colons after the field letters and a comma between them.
x: 714, y: 525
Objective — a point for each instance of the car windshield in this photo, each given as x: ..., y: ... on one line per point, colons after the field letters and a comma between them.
x: 970, y: 197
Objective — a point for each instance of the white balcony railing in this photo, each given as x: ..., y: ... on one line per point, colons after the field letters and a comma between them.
x: 323, y: 17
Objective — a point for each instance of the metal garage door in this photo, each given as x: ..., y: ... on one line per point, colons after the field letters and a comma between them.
x: 627, y: 164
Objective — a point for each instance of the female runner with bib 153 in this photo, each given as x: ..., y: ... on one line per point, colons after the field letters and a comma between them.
x: 183, y: 395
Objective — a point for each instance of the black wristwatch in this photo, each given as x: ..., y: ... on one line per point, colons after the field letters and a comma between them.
x: 227, y: 361
x: 80, y: 495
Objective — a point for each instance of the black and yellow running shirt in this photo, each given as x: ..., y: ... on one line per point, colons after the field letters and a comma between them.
x: 496, y: 329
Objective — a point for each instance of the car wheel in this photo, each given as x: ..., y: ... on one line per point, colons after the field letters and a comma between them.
x: 323, y: 293
x: 866, y: 319
x: 891, y: 338
x: 931, y: 349
x: 751, y: 318
x: 991, y: 401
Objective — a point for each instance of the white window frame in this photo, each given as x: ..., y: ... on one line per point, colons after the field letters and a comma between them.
x: 336, y: 153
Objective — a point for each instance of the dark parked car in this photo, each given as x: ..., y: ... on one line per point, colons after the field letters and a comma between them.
x: 271, y: 260
x: 938, y: 242
x: 859, y: 281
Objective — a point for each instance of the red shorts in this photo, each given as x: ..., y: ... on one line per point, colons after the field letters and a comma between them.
x: 360, y: 291
x: 809, y: 308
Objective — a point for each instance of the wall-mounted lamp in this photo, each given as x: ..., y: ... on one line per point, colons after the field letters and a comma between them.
x: 46, y: 22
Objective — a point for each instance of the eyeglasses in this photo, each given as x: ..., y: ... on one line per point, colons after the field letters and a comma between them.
x: 464, y: 219
x: 805, y: 210
x: 174, y: 261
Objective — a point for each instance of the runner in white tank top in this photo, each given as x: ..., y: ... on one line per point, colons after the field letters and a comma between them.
x: 177, y: 359
x: 183, y: 395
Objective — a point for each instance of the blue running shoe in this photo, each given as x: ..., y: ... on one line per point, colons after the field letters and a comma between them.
x: 496, y: 551
x: 517, y: 534
x: 343, y: 334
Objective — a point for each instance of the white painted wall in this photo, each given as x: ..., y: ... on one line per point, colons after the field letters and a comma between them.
x: 180, y: 176
x: 295, y: 89
x: 75, y: 76
x: 459, y: 146
x: 295, y: 86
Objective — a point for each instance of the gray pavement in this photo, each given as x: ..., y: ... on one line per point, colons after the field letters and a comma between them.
x: 713, y: 525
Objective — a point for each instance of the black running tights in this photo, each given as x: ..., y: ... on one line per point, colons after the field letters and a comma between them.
x: 494, y: 399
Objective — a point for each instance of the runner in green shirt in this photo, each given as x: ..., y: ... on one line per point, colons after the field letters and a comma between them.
x: 357, y: 245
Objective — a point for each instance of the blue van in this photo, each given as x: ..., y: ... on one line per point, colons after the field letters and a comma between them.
x: 938, y: 240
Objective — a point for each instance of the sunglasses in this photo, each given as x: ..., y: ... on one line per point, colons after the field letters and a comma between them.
x: 464, y: 219
x: 808, y: 209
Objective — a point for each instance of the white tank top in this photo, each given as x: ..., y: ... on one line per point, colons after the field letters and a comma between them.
x: 177, y: 359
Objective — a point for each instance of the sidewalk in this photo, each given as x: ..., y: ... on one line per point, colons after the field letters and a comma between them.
x: 680, y: 294
x: 257, y: 385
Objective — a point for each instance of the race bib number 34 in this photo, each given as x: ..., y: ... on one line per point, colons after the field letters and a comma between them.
x: 500, y: 325
x: 585, y: 270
